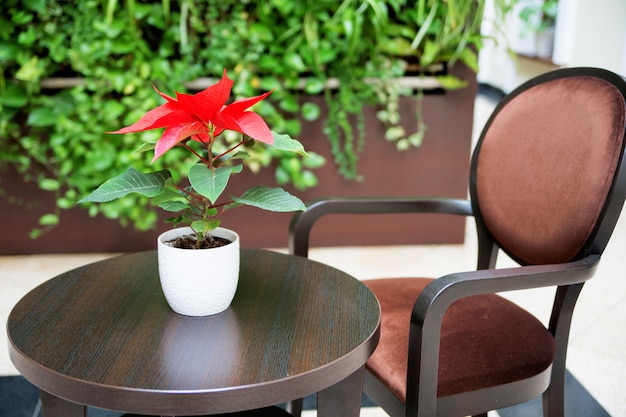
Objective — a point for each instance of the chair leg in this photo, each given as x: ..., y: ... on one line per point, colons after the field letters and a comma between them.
x: 560, y: 322
x: 554, y: 397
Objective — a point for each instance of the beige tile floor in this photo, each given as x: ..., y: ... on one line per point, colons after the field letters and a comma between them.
x: 598, y: 339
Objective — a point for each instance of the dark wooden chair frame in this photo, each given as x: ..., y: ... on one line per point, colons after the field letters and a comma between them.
x: 429, y: 308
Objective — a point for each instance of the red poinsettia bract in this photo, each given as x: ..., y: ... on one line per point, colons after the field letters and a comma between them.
x: 202, y: 117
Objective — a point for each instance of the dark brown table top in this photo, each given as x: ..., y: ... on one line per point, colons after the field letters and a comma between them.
x: 103, y: 335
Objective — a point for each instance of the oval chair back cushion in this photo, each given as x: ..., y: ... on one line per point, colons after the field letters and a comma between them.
x: 541, y: 198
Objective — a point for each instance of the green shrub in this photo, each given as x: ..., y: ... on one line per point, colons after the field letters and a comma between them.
x: 117, y: 50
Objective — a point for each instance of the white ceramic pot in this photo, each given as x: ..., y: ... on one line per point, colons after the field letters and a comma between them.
x: 198, y: 282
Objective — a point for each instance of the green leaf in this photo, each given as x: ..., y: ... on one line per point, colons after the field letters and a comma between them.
x: 262, y: 32
x: 431, y: 49
x: 211, y: 183
x: 307, y: 180
x: 396, y: 46
x: 146, y: 147
x: 469, y: 58
x: 450, y: 82
x: 42, y: 117
x: 49, y: 184
x: 327, y: 55
x: 295, y: 62
x: 287, y: 143
x: 132, y: 181
x: 310, y: 111
x: 394, y: 133
x: 313, y: 160
x: 13, y: 96
x: 65, y: 203
x: 202, y: 227
x: 30, y: 71
x: 270, y: 83
x: 174, y: 206
x: 292, y: 165
x: 314, y: 86
x: 37, y: 5
x: 9, y: 51
x: 281, y: 175
x: 168, y: 194
x: 289, y: 103
x: 170, y: 200
x: 49, y: 220
x: 35, y: 233
x: 272, y: 199
x: 424, y: 27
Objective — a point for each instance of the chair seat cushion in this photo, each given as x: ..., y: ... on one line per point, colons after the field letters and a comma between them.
x: 485, y: 340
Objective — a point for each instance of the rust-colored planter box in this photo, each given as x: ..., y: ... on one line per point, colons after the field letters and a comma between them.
x: 439, y: 167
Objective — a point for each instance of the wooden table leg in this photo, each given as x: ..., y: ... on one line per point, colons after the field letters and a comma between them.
x: 52, y: 406
x: 342, y: 399
x: 294, y: 407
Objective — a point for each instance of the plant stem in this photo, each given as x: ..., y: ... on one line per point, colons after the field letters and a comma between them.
x: 209, y: 146
x: 229, y: 150
x: 189, y: 193
x: 221, y: 204
x: 190, y: 149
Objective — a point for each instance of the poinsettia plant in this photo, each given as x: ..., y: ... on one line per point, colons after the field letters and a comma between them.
x: 196, y: 123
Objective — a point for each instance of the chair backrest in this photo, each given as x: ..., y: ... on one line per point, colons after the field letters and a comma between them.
x: 547, y: 180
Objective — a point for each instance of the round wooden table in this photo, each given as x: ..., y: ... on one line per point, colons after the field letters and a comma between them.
x: 103, y: 335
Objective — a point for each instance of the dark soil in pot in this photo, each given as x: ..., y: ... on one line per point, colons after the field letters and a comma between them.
x: 191, y: 242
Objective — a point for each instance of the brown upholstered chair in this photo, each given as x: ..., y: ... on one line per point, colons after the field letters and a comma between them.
x: 547, y: 185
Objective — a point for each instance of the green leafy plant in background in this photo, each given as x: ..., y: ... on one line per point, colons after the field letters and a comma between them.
x: 537, y: 15
x: 351, y: 52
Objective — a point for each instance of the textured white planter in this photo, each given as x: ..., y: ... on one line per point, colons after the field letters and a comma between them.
x: 198, y: 282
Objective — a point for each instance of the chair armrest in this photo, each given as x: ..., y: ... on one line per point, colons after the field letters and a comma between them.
x: 434, y: 300
x: 302, y: 222
x: 442, y: 292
